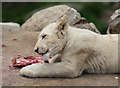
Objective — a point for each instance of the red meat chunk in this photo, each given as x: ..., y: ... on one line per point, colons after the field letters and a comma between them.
x: 23, y: 61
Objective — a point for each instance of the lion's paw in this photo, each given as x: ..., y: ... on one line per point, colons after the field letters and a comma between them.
x: 27, y: 71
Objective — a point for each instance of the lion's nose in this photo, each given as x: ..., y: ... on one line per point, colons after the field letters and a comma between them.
x: 36, y: 50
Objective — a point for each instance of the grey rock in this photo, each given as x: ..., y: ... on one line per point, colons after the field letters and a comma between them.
x: 114, y: 23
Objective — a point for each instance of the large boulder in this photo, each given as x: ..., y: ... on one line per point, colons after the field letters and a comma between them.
x: 44, y: 17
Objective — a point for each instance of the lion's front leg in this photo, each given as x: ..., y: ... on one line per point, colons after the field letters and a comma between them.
x: 61, y: 69
x: 55, y: 59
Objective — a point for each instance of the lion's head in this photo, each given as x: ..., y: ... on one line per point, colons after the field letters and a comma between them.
x: 52, y: 39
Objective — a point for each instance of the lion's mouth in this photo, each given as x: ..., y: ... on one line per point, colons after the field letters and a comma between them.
x: 45, y: 56
x: 44, y: 52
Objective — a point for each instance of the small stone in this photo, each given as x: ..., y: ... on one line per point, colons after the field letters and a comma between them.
x: 10, y: 26
x: 116, y: 77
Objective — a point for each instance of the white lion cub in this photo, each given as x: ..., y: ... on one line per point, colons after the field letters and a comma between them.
x: 78, y: 50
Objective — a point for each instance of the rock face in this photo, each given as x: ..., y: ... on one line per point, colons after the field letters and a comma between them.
x: 10, y: 26
x: 44, y: 17
x: 114, y: 23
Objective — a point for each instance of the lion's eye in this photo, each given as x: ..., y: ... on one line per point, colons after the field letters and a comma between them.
x: 44, y: 36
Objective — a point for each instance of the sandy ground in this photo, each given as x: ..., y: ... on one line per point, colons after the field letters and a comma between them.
x: 24, y: 45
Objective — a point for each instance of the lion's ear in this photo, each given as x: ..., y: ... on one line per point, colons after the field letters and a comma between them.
x: 62, y: 23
